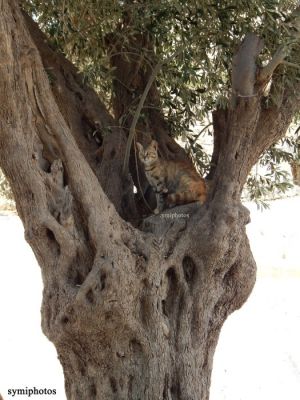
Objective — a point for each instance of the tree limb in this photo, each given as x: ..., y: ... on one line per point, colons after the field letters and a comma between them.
x: 278, y: 58
x: 38, y: 120
x: 244, y: 66
x: 85, y: 113
x: 282, y: 52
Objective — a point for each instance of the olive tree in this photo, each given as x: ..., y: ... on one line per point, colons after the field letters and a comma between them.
x: 133, y: 302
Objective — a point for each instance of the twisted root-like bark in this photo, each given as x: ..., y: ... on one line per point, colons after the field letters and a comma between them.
x: 134, y: 314
x: 145, y: 323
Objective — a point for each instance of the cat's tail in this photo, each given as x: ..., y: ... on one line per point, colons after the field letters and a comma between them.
x: 188, y: 196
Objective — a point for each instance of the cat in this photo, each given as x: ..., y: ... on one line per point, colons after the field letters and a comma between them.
x: 174, y: 182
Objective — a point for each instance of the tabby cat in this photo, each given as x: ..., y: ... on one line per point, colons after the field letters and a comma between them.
x: 174, y: 182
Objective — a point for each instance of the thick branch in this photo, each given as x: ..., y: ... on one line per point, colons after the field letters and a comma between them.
x: 31, y: 95
x: 87, y: 116
x: 274, y: 123
x: 266, y: 72
x: 244, y: 66
x: 220, y: 126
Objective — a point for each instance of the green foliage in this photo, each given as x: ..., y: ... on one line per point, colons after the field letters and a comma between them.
x: 203, y: 35
x: 207, y: 32
x: 271, y: 177
x: 292, y: 141
x: 195, y: 147
x: 272, y: 184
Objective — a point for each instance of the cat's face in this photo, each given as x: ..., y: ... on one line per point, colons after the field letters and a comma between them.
x: 149, y: 154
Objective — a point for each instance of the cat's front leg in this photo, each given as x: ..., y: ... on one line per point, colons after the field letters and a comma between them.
x: 161, y: 187
x: 160, y: 202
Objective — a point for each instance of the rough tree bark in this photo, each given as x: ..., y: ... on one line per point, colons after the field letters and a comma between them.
x: 133, y: 63
x: 134, y: 314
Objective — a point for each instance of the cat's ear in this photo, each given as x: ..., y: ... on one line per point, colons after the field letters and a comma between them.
x: 154, y: 144
x: 140, y: 148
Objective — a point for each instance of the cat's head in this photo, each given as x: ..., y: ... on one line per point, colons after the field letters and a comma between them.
x: 149, y: 154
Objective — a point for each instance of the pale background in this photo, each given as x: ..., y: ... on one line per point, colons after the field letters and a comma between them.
x: 258, y: 355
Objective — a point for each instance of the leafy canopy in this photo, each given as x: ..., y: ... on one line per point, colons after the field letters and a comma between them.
x: 203, y: 35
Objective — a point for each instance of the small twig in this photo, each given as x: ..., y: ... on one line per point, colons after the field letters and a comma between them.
x: 137, y: 115
x: 141, y: 105
x: 199, y: 134
x: 290, y: 64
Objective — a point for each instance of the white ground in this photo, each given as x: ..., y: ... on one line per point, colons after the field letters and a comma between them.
x: 258, y: 355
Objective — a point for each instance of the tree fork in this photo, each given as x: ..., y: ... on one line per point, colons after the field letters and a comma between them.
x: 133, y: 71
x: 133, y: 314
x: 248, y: 128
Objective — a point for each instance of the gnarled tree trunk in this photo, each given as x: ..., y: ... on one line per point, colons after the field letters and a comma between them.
x: 134, y: 314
